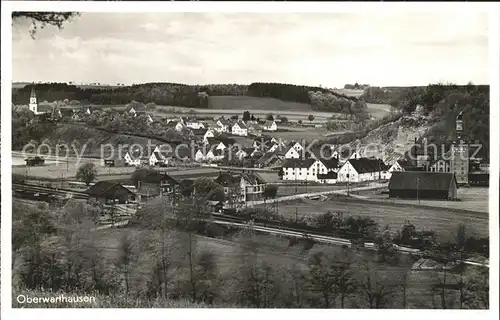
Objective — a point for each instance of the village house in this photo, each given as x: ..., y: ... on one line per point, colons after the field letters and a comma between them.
x: 294, y: 150
x: 156, y: 158
x: 239, y: 129
x: 252, y: 186
x: 423, y: 185
x: 131, y: 158
x: 114, y: 161
x: 179, y: 126
x: 108, y: 192
x: 231, y: 185
x: 270, y: 126
x: 199, y: 155
x: 221, y: 142
x: 155, y: 184
x: 363, y: 169
x: 195, y: 124
x: 245, y: 152
x: 269, y: 159
x: 241, y: 187
x: 307, y: 169
x: 254, y: 129
x: 214, y: 155
x: 132, y: 111
x: 209, y: 134
x: 223, y: 125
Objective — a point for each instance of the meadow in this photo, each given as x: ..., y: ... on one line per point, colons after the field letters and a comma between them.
x: 443, y: 221
x: 472, y: 198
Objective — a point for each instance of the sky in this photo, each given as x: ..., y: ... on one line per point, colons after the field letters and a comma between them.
x: 327, y: 49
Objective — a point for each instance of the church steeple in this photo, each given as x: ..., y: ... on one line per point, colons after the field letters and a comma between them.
x: 33, y: 103
x: 459, y: 126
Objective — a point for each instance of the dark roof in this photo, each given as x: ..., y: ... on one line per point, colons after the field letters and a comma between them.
x: 158, y: 155
x: 266, y: 157
x: 407, y: 180
x: 248, y: 150
x: 226, y: 141
x: 227, y: 179
x: 365, y: 165
x: 106, y: 189
x: 199, y: 132
x: 328, y: 175
x: 253, y: 178
x: 298, y: 163
x: 224, y: 122
x: 330, y: 163
x: 155, y: 177
x: 241, y: 124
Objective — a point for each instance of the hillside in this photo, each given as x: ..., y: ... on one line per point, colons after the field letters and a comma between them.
x: 92, y: 138
x: 396, y: 138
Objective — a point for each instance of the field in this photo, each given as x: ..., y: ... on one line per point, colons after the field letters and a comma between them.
x: 294, y: 133
x: 349, y: 92
x: 443, y: 221
x: 259, y: 107
x: 256, y: 104
x: 473, y: 199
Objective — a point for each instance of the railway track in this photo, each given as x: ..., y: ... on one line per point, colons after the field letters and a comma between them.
x: 285, y: 231
x: 35, y: 190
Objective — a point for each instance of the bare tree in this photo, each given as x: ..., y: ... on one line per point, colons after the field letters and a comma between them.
x: 345, y: 281
x: 376, y: 290
x: 460, y: 239
x: 206, y: 277
x: 188, y: 214
x: 322, y: 278
x: 126, y: 256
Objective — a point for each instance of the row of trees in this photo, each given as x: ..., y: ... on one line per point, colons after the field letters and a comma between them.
x: 330, y: 102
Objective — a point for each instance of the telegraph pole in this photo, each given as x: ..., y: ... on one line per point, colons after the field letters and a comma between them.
x: 418, y: 181
x: 348, y: 180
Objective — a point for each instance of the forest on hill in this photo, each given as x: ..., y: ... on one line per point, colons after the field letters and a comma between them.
x: 170, y: 94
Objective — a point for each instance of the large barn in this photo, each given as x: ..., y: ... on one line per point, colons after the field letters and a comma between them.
x: 423, y: 185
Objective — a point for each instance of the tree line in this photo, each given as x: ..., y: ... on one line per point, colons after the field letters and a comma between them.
x: 169, y: 94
